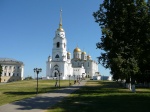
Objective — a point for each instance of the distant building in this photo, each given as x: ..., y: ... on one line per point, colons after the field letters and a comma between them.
x: 12, y: 70
x: 61, y: 64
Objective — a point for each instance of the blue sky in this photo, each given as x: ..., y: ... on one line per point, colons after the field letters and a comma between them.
x: 27, y: 28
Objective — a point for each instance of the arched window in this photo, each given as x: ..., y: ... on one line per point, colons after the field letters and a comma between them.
x: 57, y: 56
x: 58, y: 44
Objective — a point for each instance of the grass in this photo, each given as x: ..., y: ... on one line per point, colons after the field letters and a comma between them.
x: 14, y: 91
x: 101, y: 96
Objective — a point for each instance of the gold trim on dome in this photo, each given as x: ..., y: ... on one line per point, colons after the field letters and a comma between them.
x: 60, y: 29
x: 77, y: 49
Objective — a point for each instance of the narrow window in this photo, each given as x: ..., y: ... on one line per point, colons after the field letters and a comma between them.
x: 58, y: 44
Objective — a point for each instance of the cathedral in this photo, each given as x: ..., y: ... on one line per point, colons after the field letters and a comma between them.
x: 60, y: 63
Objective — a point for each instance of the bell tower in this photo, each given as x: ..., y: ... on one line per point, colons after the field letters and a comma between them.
x: 59, y: 52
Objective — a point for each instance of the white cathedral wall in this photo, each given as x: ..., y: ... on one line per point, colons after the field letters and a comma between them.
x: 78, y: 71
x: 90, y: 66
x: 77, y: 55
x: 48, y: 69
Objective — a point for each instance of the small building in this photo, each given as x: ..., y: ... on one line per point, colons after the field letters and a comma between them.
x: 13, y: 70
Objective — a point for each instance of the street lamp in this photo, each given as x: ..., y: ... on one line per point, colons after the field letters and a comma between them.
x: 69, y: 79
x: 37, y: 70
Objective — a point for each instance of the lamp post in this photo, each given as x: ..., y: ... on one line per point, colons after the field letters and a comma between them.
x: 69, y: 79
x: 37, y: 70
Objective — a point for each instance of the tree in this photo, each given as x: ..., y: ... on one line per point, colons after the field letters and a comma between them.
x: 0, y: 72
x: 125, y: 28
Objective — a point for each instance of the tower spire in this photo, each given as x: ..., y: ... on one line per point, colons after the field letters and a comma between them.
x: 60, y: 22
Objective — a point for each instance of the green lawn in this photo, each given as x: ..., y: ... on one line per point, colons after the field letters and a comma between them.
x: 14, y: 91
x: 100, y: 96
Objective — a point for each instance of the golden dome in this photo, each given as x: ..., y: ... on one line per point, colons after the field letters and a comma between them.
x: 60, y: 28
x: 88, y: 56
x: 77, y: 49
x: 83, y: 52
x: 68, y: 53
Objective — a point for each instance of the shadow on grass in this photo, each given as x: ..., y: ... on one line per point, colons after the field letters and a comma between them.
x: 107, y: 103
x: 104, y: 97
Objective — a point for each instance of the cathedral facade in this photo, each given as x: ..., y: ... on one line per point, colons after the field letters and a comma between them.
x: 60, y: 63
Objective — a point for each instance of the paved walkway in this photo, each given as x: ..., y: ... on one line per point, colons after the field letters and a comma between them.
x: 42, y: 101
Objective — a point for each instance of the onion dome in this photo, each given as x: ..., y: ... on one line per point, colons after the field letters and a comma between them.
x: 68, y: 53
x: 83, y: 52
x: 77, y: 49
x: 88, y: 56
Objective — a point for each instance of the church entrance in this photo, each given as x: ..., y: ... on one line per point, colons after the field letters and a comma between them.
x: 55, y: 73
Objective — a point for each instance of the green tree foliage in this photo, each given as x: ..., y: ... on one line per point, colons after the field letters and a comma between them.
x: 0, y: 72
x: 125, y: 37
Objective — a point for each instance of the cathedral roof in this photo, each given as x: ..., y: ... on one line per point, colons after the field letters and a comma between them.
x: 9, y: 60
x: 77, y: 49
